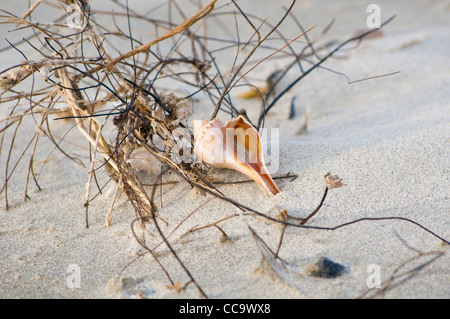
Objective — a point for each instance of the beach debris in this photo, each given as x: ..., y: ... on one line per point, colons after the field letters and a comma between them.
x: 412, y: 41
x: 333, y: 181
x: 141, y: 160
x: 304, y: 127
x: 279, y: 266
x: 275, y: 83
x: 234, y: 145
x: 14, y: 76
x: 180, y: 110
x: 254, y: 92
x: 327, y: 268
x: 282, y: 215
x: 262, y: 90
x: 149, y: 123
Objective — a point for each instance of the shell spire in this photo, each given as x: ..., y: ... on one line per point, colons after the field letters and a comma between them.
x: 234, y: 145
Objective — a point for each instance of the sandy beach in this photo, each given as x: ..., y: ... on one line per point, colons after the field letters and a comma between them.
x: 387, y: 138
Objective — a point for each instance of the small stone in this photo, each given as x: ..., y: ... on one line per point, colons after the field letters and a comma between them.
x: 326, y: 268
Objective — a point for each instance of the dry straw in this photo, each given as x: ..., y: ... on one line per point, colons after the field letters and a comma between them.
x: 85, y: 83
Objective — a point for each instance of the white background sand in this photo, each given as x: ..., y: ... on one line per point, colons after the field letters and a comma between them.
x: 387, y: 138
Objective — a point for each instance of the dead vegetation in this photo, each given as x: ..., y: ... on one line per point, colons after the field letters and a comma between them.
x: 85, y: 80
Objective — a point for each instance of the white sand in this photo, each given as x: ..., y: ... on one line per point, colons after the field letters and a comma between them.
x: 387, y: 138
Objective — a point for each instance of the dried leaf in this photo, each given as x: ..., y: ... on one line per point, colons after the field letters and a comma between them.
x: 276, y: 263
x: 180, y: 109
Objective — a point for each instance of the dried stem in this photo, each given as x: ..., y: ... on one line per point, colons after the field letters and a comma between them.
x: 87, y: 78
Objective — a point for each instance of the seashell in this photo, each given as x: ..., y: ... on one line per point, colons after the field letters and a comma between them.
x: 254, y: 92
x: 234, y: 145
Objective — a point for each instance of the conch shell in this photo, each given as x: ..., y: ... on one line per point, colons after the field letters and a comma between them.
x: 234, y: 145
